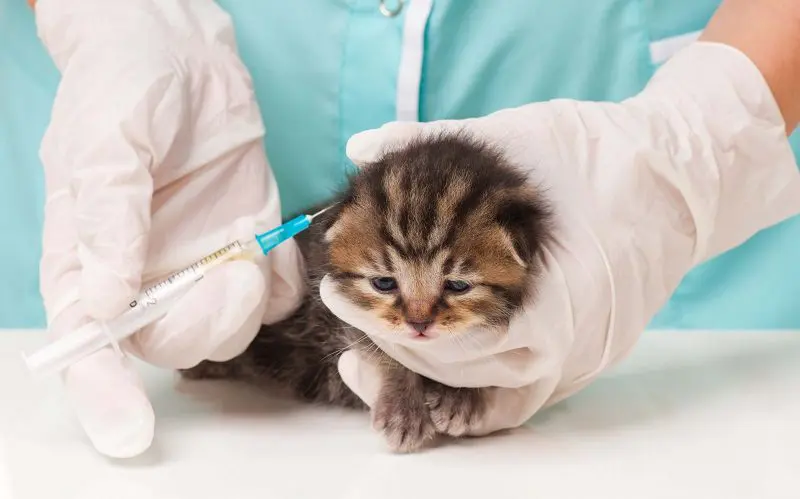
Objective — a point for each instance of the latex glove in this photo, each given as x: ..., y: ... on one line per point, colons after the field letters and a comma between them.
x: 643, y: 190
x: 153, y: 159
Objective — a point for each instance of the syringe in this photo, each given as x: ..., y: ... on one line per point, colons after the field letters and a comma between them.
x: 152, y: 303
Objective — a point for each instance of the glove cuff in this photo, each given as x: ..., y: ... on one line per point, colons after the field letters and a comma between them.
x: 717, y: 111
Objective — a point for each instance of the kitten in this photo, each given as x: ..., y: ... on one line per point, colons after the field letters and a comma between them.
x: 436, y: 237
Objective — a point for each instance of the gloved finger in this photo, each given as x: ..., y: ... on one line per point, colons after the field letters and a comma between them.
x: 361, y: 376
x: 216, y: 320
x: 59, y: 267
x: 107, y: 396
x: 112, y: 123
x: 365, y: 147
x: 79, y: 238
x: 112, y: 220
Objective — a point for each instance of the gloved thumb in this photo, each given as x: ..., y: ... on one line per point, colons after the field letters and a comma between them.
x: 367, y: 146
x: 216, y: 320
x: 361, y: 376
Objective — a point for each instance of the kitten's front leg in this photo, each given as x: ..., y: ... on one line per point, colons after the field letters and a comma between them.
x: 455, y: 411
x: 401, y: 412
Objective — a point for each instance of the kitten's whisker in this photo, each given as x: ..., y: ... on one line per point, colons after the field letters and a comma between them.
x: 392, y: 361
x: 376, y: 356
x: 348, y: 347
x: 477, y: 340
x: 460, y: 342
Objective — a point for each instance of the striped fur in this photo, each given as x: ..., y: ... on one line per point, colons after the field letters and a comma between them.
x: 435, y: 211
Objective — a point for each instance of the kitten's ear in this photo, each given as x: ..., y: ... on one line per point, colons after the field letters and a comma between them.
x: 332, y: 231
x: 513, y: 248
x: 526, y: 222
x: 330, y: 220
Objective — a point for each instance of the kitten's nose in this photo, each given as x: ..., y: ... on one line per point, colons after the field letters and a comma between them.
x: 420, y: 327
x: 419, y: 314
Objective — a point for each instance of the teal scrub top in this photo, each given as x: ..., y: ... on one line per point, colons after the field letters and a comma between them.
x: 326, y: 69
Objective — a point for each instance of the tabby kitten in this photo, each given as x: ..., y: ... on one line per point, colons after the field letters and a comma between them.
x: 433, y: 238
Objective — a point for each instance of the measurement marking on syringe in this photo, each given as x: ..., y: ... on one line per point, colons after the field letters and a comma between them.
x: 194, y: 272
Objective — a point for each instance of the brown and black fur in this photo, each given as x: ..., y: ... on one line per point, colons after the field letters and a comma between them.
x: 441, y: 208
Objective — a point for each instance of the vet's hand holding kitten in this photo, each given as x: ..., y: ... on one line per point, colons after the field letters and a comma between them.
x: 482, y: 269
x: 640, y: 192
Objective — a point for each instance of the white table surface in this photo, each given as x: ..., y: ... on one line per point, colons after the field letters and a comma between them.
x: 689, y: 414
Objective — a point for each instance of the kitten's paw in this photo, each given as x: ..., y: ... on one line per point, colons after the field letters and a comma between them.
x: 405, y: 423
x: 455, y: 411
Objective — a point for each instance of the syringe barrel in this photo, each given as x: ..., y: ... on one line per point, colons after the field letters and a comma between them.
x: 149, y: 306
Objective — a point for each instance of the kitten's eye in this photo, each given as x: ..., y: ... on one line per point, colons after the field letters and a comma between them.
x: 457, y: 286
x: 384, y: 284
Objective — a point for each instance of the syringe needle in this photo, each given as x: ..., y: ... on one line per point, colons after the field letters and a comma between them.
x: 320, y: 212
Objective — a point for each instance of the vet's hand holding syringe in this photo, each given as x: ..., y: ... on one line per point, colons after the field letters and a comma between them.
x: 156, y: 300
x: 144, y: 176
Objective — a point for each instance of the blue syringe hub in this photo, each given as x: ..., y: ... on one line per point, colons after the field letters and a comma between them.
x: 268, y: 240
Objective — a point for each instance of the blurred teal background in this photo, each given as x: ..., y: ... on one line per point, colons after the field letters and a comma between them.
x: 325, y: 69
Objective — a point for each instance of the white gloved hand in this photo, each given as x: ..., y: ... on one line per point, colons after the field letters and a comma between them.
x: 643, y: 190
x: 153, y: 158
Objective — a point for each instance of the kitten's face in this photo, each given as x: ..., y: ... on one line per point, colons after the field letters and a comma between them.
x: 437, y: 238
